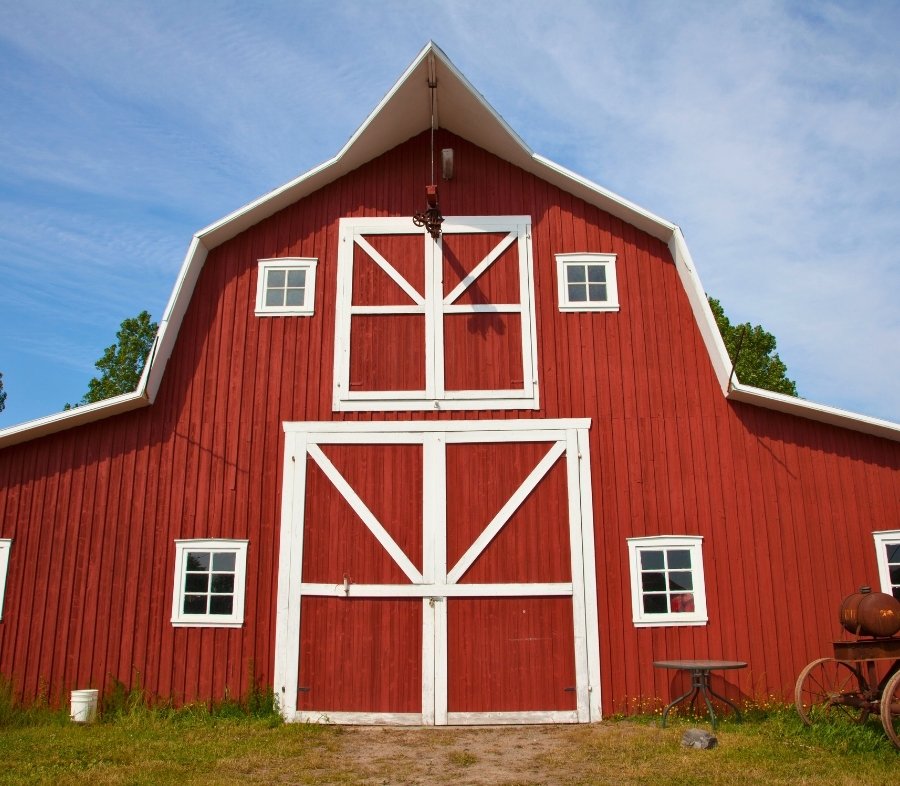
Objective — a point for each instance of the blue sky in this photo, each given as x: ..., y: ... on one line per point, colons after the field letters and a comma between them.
x: 769, y: 132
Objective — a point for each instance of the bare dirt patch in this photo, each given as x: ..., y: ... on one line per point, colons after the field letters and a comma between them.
x: 480, y: 756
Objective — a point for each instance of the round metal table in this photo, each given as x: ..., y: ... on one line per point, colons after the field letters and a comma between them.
x: 700, y: 670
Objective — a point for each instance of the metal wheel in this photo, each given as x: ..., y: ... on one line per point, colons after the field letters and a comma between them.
x: 890, y: 709
x: 829, y: 688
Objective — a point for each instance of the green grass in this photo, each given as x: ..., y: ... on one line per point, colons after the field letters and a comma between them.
x: 246, y: 742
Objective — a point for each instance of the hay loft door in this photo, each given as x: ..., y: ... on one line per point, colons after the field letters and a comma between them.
x: 437, y: 573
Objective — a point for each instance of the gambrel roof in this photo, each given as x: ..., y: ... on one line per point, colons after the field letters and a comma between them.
x: 402, y: 113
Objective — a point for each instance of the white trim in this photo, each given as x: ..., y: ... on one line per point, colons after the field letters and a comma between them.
x: 357, y: 718
x: 215, y: 546
x: 511, y: 718
x: 433, y: 395
x: 605, y: 261
x: 5, y: 547
x: 550, y: 430
x: 442, y: 589
x: 588, y: 576
x: 307, y: 265
x: 693, y: 544
x: 882, y: 541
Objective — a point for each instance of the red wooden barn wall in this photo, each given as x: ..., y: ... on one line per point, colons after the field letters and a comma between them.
x: 786, y: 506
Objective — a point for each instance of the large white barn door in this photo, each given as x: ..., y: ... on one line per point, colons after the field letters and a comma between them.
x: 437, y: 573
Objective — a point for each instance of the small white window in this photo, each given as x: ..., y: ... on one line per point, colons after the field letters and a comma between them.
x: 5, y: 544
x: 587, y: 282
x: 887, y: 548
x: 286, y: 287
x: 209, y: 583
x: 667, y: 585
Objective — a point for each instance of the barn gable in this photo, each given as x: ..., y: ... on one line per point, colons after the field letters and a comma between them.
x: 436, y: 481
x: 405, y: 111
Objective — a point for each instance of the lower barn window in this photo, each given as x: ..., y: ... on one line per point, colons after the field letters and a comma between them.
x: 887, y: 552
x: 667, y: 584
x: 209, y: 583
x: 5, y: 544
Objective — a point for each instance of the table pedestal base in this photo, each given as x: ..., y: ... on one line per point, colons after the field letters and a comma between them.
x: 700, y: 686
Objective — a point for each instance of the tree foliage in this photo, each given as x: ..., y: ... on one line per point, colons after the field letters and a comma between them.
x: 2, y: 394
x: 122, y: 363
x: 758, y: 363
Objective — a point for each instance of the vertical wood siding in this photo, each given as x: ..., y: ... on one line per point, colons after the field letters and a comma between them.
x: 786, y: 506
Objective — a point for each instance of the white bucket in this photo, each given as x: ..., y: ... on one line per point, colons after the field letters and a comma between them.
x: 84, y: 705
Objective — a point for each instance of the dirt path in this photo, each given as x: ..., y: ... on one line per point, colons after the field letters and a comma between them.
x: 477, y: 756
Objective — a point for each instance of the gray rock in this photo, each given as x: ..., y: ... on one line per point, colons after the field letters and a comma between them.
x: 698, y: 738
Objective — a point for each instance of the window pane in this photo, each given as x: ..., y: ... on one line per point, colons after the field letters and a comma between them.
x: 222, y: 582
x: 194, y: 604
x: 897, y: 593
x: 682, y: 603
x: 597, y: 293
x: 597, y: 274
x: 294, y: 297
x: 655, y: 604
x: 224, y: 560
x: 275, y: 278
x: 575, y: 274
x: 680, y: 580
x: 893, y: 552
x: 652, y: 560
x: 196, y: 582
x: 274, y: 297
x: 679, y: 559
x: 198, y: 560
x: 220, y: 604
x: 296, y: 278
x: 894, y: 572
x: 653, y: 582
x: 577, y: 293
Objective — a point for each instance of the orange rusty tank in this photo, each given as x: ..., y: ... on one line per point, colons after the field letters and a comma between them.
x: 867, y: 613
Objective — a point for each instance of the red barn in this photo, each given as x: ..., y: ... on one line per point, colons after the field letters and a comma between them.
x: 479, y: 471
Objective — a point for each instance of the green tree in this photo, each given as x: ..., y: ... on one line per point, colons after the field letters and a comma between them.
x: 122, y: 363
x: 757, y: 364
x: 2, y: 394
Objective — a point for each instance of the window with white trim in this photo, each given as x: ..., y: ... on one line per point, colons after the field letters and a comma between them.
x: 5, y: 544
x: 887, y: 550
x: 587, y: 282
x: 434, y: 324
x: 286, y: 287
x: 209, y: 583
x: 667, y: 586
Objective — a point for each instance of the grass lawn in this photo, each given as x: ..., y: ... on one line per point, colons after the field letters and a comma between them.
x: 195, y: 747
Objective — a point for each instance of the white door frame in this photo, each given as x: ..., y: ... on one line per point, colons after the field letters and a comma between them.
x: 567, y: 440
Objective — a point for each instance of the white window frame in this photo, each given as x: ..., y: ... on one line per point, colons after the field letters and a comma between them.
x: 5, y: 545
x: 607, y: 261
x: 307, y: 264
x: 433, y: 305
x: 691, y: 543
x: 882, y: 541
x: 233, y: 620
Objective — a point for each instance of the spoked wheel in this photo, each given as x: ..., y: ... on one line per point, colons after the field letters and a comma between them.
x: 890, y: 709
x: 829, y: 688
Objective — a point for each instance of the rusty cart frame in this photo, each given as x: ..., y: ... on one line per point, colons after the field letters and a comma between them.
x: 849, y: 684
